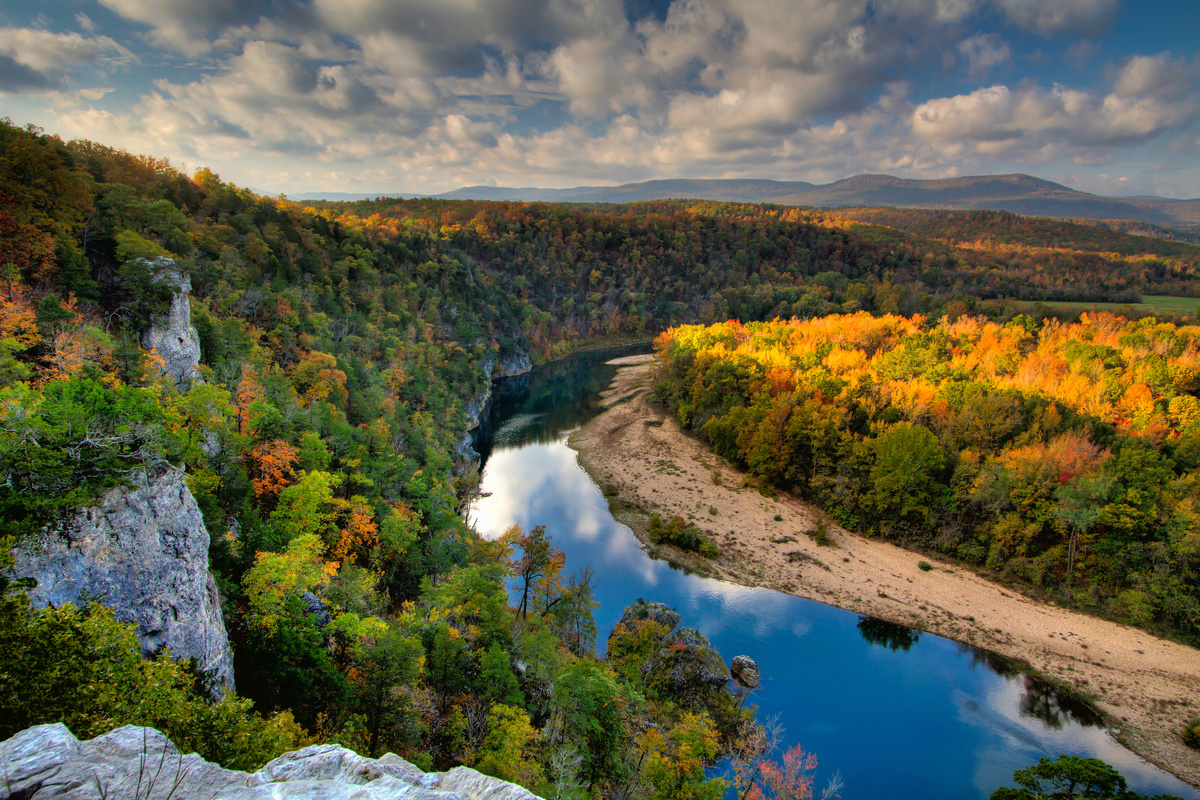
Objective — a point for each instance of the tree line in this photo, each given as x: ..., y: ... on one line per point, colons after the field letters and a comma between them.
x: 1062, y: 456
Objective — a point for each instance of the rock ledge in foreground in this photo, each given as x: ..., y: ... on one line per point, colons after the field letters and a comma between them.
x: 47, y: 761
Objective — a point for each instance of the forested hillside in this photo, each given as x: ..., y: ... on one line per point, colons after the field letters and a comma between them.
x: 1062, y: 456
x: 341, y: 345
x: 321, y: 447
x: 1001, y: 230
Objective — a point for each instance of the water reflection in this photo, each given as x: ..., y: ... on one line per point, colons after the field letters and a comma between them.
x: 899, y: 713
x: 888, y: 634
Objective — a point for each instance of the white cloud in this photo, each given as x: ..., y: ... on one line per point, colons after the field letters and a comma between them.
x: 1038, y: 124
x: 31, y: 58
x: 1155, y: 76
x: 984, y: 51
x: 48, y: 52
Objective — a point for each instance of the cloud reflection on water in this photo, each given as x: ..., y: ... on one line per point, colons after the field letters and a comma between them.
x: 940, y: 697
x: 528, y: 485
x: 1004, y: 708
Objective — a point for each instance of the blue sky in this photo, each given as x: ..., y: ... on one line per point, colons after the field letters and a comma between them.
x: 416, y: 96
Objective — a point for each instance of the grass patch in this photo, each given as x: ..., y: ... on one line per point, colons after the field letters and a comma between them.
x: 779, y: 517
x: 924, y: 566
x: 1156, y: 303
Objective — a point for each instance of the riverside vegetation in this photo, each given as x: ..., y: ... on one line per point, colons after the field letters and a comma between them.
x: 341, y: 345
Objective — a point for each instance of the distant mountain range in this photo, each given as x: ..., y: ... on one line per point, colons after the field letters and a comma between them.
x: 1020, y: 194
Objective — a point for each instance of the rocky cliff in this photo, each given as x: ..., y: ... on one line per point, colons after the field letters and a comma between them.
x: 48, y: 761
x: 174, y: 339
x: 477, y: 406
x: 144, y: 552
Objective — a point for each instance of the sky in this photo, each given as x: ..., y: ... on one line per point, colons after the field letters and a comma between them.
x: 390, y: 96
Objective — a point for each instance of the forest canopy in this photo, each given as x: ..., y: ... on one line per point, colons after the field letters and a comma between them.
x: 1063, y: 456
x: 342, y: 344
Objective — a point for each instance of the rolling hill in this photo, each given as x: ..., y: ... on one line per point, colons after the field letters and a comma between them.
x: 1020, y: 194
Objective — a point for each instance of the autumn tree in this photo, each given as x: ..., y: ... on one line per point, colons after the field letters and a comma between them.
x: 538, y: 570
x: 675, y: 769
x: 507, y: 751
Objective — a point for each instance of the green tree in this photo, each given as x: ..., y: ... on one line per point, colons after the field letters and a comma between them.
x: 589, y: 713
x: 1079, y: 504
x: 497, y: 681
x: 276, y: 577
x: 904, y: 475
x: 1068, y: 777
x: 306, y: 508
x: 384, y: 670
x: 84, y: 668
x: 447, y: 666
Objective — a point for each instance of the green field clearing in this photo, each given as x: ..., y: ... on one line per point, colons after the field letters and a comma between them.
x: 1157, y: 303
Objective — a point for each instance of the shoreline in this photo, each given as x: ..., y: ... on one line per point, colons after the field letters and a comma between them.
x: 1144, y: 686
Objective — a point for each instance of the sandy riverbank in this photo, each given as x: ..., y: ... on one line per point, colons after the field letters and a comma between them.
x: 1147, y: 686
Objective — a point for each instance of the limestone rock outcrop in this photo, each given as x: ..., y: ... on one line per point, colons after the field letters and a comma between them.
x: 478, y: 405
x: 174, y: 339
x: 745, y: 671
x: 143, y: 551
x: 47, y: 761
x: 689, y: 659
x: 644, y: 610
x: 513, y: 364
x: 684, y: 658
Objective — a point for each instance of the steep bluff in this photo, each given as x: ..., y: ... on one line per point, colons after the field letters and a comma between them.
x: 48, y: 761
x: 173, y: 338
x: 143, y: 551
x: 477, y: 406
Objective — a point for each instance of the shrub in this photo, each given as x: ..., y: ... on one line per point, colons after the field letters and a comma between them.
x: 924, y: 566
x: 679, y: 533
x: 84, y: 668
x: 1191, y: 733
x: 821, y: 533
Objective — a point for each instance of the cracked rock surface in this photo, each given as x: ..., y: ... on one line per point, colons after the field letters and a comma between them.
x: 47, y: 761
x: 143, y: 551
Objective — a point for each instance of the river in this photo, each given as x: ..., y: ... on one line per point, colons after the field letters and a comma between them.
x: 899, y: 713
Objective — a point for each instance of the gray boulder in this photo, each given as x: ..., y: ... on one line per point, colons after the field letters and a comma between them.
x: 173, y: 338
x: 513, y: 364
x: 143, y: 551
x: 745, y: 671
x: 128, y: 762
x: 331, y: 762
x: 478, y: 786
x: 47, y: 762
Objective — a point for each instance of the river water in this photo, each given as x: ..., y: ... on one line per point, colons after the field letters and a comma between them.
x: 900, y: 714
